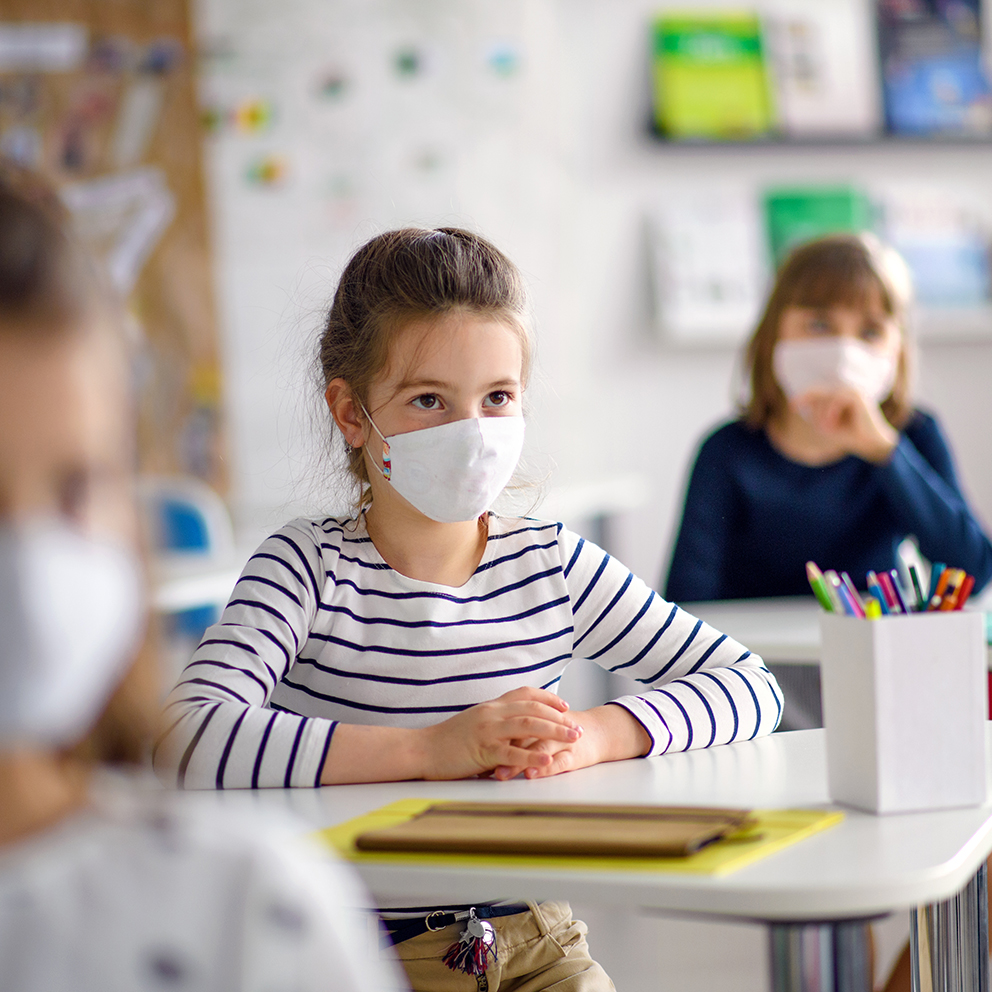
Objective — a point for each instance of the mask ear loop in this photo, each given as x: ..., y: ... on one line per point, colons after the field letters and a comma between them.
x: 387, y: 466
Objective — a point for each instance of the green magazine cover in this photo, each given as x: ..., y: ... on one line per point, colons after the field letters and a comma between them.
x: 710, y: 76
x: 794, y: 214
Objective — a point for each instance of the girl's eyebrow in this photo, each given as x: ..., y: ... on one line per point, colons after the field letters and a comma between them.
x: 438, y: 384
x: 422, y: 384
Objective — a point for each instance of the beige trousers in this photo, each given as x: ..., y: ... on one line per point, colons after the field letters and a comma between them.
x: 541, y: 949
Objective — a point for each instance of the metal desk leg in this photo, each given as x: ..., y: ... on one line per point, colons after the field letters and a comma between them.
x: 820, y: 957
x: 949, y: 941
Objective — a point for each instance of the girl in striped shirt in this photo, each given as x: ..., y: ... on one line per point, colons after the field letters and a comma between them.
x: 423, y: 637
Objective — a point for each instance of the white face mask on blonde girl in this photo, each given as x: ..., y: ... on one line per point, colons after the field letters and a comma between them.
x: 836, y: 365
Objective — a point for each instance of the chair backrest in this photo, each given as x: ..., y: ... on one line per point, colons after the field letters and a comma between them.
x: 184, y: 514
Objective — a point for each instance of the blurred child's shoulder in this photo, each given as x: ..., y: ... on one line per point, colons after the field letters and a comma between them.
x: 731, y: 436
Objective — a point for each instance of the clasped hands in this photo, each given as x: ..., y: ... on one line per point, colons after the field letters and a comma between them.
x: 531, y: 731
x: 850, y: 419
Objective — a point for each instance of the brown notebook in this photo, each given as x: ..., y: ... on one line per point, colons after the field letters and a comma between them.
x: 558, y: 828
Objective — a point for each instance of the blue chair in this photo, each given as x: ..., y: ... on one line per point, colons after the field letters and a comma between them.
x: 185, y: 517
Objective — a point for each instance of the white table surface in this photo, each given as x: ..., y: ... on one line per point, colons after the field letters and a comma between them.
x: 183, y: 581
x: 864, y: 866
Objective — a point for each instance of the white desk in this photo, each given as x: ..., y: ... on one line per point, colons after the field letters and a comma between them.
x: 184, y: 581
x: 864, y: 867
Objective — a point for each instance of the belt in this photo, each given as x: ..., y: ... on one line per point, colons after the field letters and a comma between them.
x: 400, y: 930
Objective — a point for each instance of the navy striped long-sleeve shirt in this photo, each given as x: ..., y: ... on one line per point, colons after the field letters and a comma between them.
x: 320, y: 630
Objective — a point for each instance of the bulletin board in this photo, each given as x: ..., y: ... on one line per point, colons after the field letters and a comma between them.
x: 101, y: 96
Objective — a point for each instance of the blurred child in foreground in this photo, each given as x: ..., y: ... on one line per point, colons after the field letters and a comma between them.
x: 104, y: 885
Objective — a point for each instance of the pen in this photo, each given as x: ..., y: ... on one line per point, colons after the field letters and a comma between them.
x: 875, y: 588
x: 836, y: 588
x: 950, y: 598
x: 900, y: 599
x: 819, y: 586
x: 885, y: 581
x: 855, y: 597
x: 873, y: 609
x: 921, y: 603
x: 938, y: 596
x: 848, y: 585
x: 936, y: 571
x: 965, y: 592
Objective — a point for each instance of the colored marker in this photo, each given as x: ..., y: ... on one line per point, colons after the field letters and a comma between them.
x: 917, y: 591
x: 832, y: 579
x: 938, y: 594
x: 894, y: 575
x: 873, y: 609
x: 849, y: 608
x: 885, y: 581
x: 950, y: 597
x: 875, y: 588
x: 819, y: 586
x: 965, y: 592
x: 937, y: 569
x: 846, y: 583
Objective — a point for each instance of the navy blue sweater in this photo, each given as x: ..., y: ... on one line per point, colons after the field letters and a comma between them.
x: 753, y: 518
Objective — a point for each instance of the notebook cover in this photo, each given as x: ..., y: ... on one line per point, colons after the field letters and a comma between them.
x: 773, y: 830
x: 557, y: 829
x: 710, y: 78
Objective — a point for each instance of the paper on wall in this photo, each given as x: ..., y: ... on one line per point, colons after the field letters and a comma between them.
x: 708, y: 275
x: 137, y: 120
x: 122, y: 217
x: 825, y: 65
x: 28, y: 47
x: 945, y: 234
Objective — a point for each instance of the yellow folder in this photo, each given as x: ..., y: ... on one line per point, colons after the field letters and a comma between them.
x: 767, y: 831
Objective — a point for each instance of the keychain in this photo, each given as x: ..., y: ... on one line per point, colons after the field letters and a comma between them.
x: 471, y: 952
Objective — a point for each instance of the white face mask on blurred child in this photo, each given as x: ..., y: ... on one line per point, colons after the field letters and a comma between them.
x: 829, y: 362
x: 70, y: 613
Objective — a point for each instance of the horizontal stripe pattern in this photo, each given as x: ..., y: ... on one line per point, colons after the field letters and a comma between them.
x: 319, y: 630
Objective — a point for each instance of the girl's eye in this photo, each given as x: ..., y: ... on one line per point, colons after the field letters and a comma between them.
x: 428, y: 401
x: 819, y: 325
x: 499, y: 397
x: 872, y: 332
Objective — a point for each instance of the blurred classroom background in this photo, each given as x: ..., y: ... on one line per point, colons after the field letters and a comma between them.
x: 643, y: 161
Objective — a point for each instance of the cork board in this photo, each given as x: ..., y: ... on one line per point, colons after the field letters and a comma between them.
x: 100, y: 95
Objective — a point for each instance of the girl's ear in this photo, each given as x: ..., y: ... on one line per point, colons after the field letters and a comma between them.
x: 346, y: 411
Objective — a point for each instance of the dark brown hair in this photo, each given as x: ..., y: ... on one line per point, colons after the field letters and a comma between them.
x: 408, y: 275
x: 44, y: 284
x: 838, y: 270
x: 49, y: 286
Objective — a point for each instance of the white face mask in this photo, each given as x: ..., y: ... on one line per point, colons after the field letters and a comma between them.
x: 70, y: 615
x: 454, y: 471
x: 830, y: 362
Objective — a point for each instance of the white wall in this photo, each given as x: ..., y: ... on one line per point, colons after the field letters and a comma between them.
x: 554, y: 164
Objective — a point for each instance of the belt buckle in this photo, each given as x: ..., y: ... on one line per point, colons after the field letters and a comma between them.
x: 427, y: 921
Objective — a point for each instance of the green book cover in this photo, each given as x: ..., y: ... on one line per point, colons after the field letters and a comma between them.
x: 797, y: 214
x: 710, y: 76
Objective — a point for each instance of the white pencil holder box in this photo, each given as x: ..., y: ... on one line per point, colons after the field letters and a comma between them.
x: 904, y: 706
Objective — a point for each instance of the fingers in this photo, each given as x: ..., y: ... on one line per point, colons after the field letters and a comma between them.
x: 560, y: 761
x: 529, y: 718
x: 527, y: 725
x: 506, y: 772
x: 513, y: 760
x: 538, y: 695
